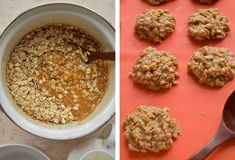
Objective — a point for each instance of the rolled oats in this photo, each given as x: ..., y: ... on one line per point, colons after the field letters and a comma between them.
x: 155, y: 69
x: 212, y: 66
x: 47, y: 74
x: 155, y: 25
x: 150, y: 128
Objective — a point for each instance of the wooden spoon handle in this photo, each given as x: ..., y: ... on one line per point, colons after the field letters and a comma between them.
x: 102, y: 55
x: 221, y: 136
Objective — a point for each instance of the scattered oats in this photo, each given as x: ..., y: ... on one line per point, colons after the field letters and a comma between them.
x: 75, y: 96
x: 75, y: 108
x: 60, y: 96
x: 62, y: 106
x: 56, y: 120
x: 70, y: 49
x: 63, y: 121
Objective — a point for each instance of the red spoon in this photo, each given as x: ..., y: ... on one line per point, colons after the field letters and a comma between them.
x: 225, y: 132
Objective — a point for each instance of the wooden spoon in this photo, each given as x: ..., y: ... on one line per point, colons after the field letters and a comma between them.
x: 225, y: 132
x: 110, y: 56
x: 95, y: 55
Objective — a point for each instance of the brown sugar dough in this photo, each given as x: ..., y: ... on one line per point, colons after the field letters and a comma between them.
x: 212, y: 66
x: 208, y: 24
x: 155, y: 69
x: 155, y: 25
x: 149, y: 128
x: 207, y: 1
x: 157, y: 2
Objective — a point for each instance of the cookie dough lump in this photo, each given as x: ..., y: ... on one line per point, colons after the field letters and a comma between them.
x: 155, y: 25
x: 212, y: 66
x: 150, y: 128
x: 157, y: 2
x: 155, y: 69
x: 207, y: 1
x: 208, y: 24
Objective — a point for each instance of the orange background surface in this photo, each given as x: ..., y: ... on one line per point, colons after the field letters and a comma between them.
x: 197, y: 108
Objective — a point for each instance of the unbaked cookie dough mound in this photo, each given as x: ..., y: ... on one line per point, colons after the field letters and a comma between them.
x: 150, y: 128
x: 207, y: 1
x: 155, y: 25
x: 212, y: 66
x: 157, y: 2
x: 208, y: 24
x: 155, y: 69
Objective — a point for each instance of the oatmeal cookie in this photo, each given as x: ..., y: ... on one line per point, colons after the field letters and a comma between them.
x: 157, y: 2
x: 212, y: 66
x: 208, y: 24
x: 150, y: 128
x: 155, y: 25
x: 155, y: 69
x: 207, y: 1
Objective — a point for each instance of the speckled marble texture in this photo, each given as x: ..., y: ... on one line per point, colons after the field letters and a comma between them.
x: 9, y: 132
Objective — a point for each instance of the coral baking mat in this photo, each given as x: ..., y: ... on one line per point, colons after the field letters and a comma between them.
x: 197, y: 108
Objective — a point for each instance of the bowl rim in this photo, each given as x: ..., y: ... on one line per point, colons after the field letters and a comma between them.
x: 95, y: 150
x: 3, y: 109
x: 28, y: 147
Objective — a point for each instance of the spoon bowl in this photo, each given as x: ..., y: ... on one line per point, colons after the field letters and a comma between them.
x: 225, y: 132
x: 229, y: 112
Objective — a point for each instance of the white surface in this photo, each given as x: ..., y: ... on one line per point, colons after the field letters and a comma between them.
x: 90, y: 145
x: 57, y: 13
x: 9, y: 9
x: 10, y: 133
x: 110, y: 140
x: 104, y: 144
x: 21, y: 152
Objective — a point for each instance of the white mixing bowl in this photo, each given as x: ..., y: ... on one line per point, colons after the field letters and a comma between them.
x: 21, y: 152
x: 57, y: 13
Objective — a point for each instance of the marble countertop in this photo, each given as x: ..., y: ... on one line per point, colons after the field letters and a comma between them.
x: 9, y: 132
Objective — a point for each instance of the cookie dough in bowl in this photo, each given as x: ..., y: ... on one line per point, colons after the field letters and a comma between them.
x: 212, y: 66
x: 149, y: 128
x: 157, y: 2
x: 46, y: 86
x: 48, y: 76
x: 155, y: 69
x: 208, y: 24
x: 155, y: 25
